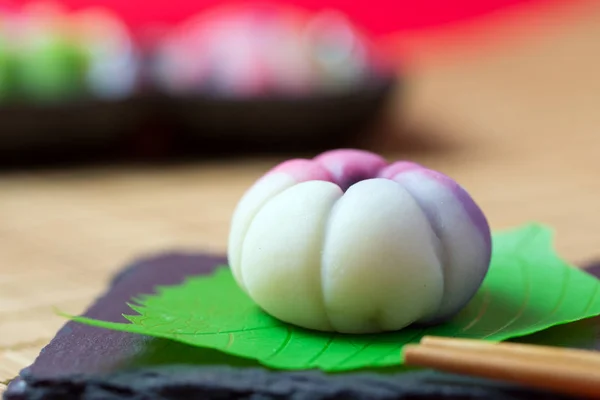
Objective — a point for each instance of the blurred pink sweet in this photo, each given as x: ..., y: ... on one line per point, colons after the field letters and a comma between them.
x: 262, y: 51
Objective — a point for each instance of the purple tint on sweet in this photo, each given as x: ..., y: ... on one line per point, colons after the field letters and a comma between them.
x: 471, y: 208
x: 349, y: 166
x: 345, y: 167
x: 302, y: 170
x: 342, y: 167
x: 392, y: 170
x: 476, y: 215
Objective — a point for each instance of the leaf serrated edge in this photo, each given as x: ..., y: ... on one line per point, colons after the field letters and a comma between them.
x: 530, y: 229
x: 137, y: 308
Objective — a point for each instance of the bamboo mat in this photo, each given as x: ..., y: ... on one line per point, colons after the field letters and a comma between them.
x: 521, y: 130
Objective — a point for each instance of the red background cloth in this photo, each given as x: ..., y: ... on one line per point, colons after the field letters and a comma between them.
x: 380, y: 17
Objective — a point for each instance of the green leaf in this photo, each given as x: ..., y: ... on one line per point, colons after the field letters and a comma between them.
x: 528, y: 289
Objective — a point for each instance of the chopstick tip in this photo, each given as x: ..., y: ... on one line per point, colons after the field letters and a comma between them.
x: 428, y: 339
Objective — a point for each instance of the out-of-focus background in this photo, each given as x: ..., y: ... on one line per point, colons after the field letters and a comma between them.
x: 129, y: 128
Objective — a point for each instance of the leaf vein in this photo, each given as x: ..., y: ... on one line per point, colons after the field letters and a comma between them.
x: 482, y: 310
x: 592, y: 299
x: 284, y: 343
x: 417, y: 335
x: 565, y: 280
x: 313, y: 360
x: 226, y: 332
x: 523, y: 306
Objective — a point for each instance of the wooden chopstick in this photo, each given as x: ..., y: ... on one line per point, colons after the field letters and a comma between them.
x: 568, y: 371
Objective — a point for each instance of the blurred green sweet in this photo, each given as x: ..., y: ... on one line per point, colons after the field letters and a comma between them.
x: 52, y: 67
x: 8, y: 71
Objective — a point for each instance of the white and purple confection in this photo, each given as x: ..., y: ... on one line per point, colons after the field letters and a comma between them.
x: 347, y: 242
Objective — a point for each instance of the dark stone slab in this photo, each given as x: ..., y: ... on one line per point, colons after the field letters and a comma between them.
x: 180, y: 382
x: 84, y: 362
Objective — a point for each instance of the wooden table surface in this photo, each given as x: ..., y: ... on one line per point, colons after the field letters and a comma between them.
x: 520, y: 129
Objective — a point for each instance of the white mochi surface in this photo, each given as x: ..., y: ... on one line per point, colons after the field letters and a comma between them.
x: 383, y: 255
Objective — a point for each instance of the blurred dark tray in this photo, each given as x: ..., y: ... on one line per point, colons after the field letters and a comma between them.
x: 54, y: 129
x: 84, y: 362
x: 320, y: 120
x: 173, y: 126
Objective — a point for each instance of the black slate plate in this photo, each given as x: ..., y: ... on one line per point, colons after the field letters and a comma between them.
x: 84, y: 362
